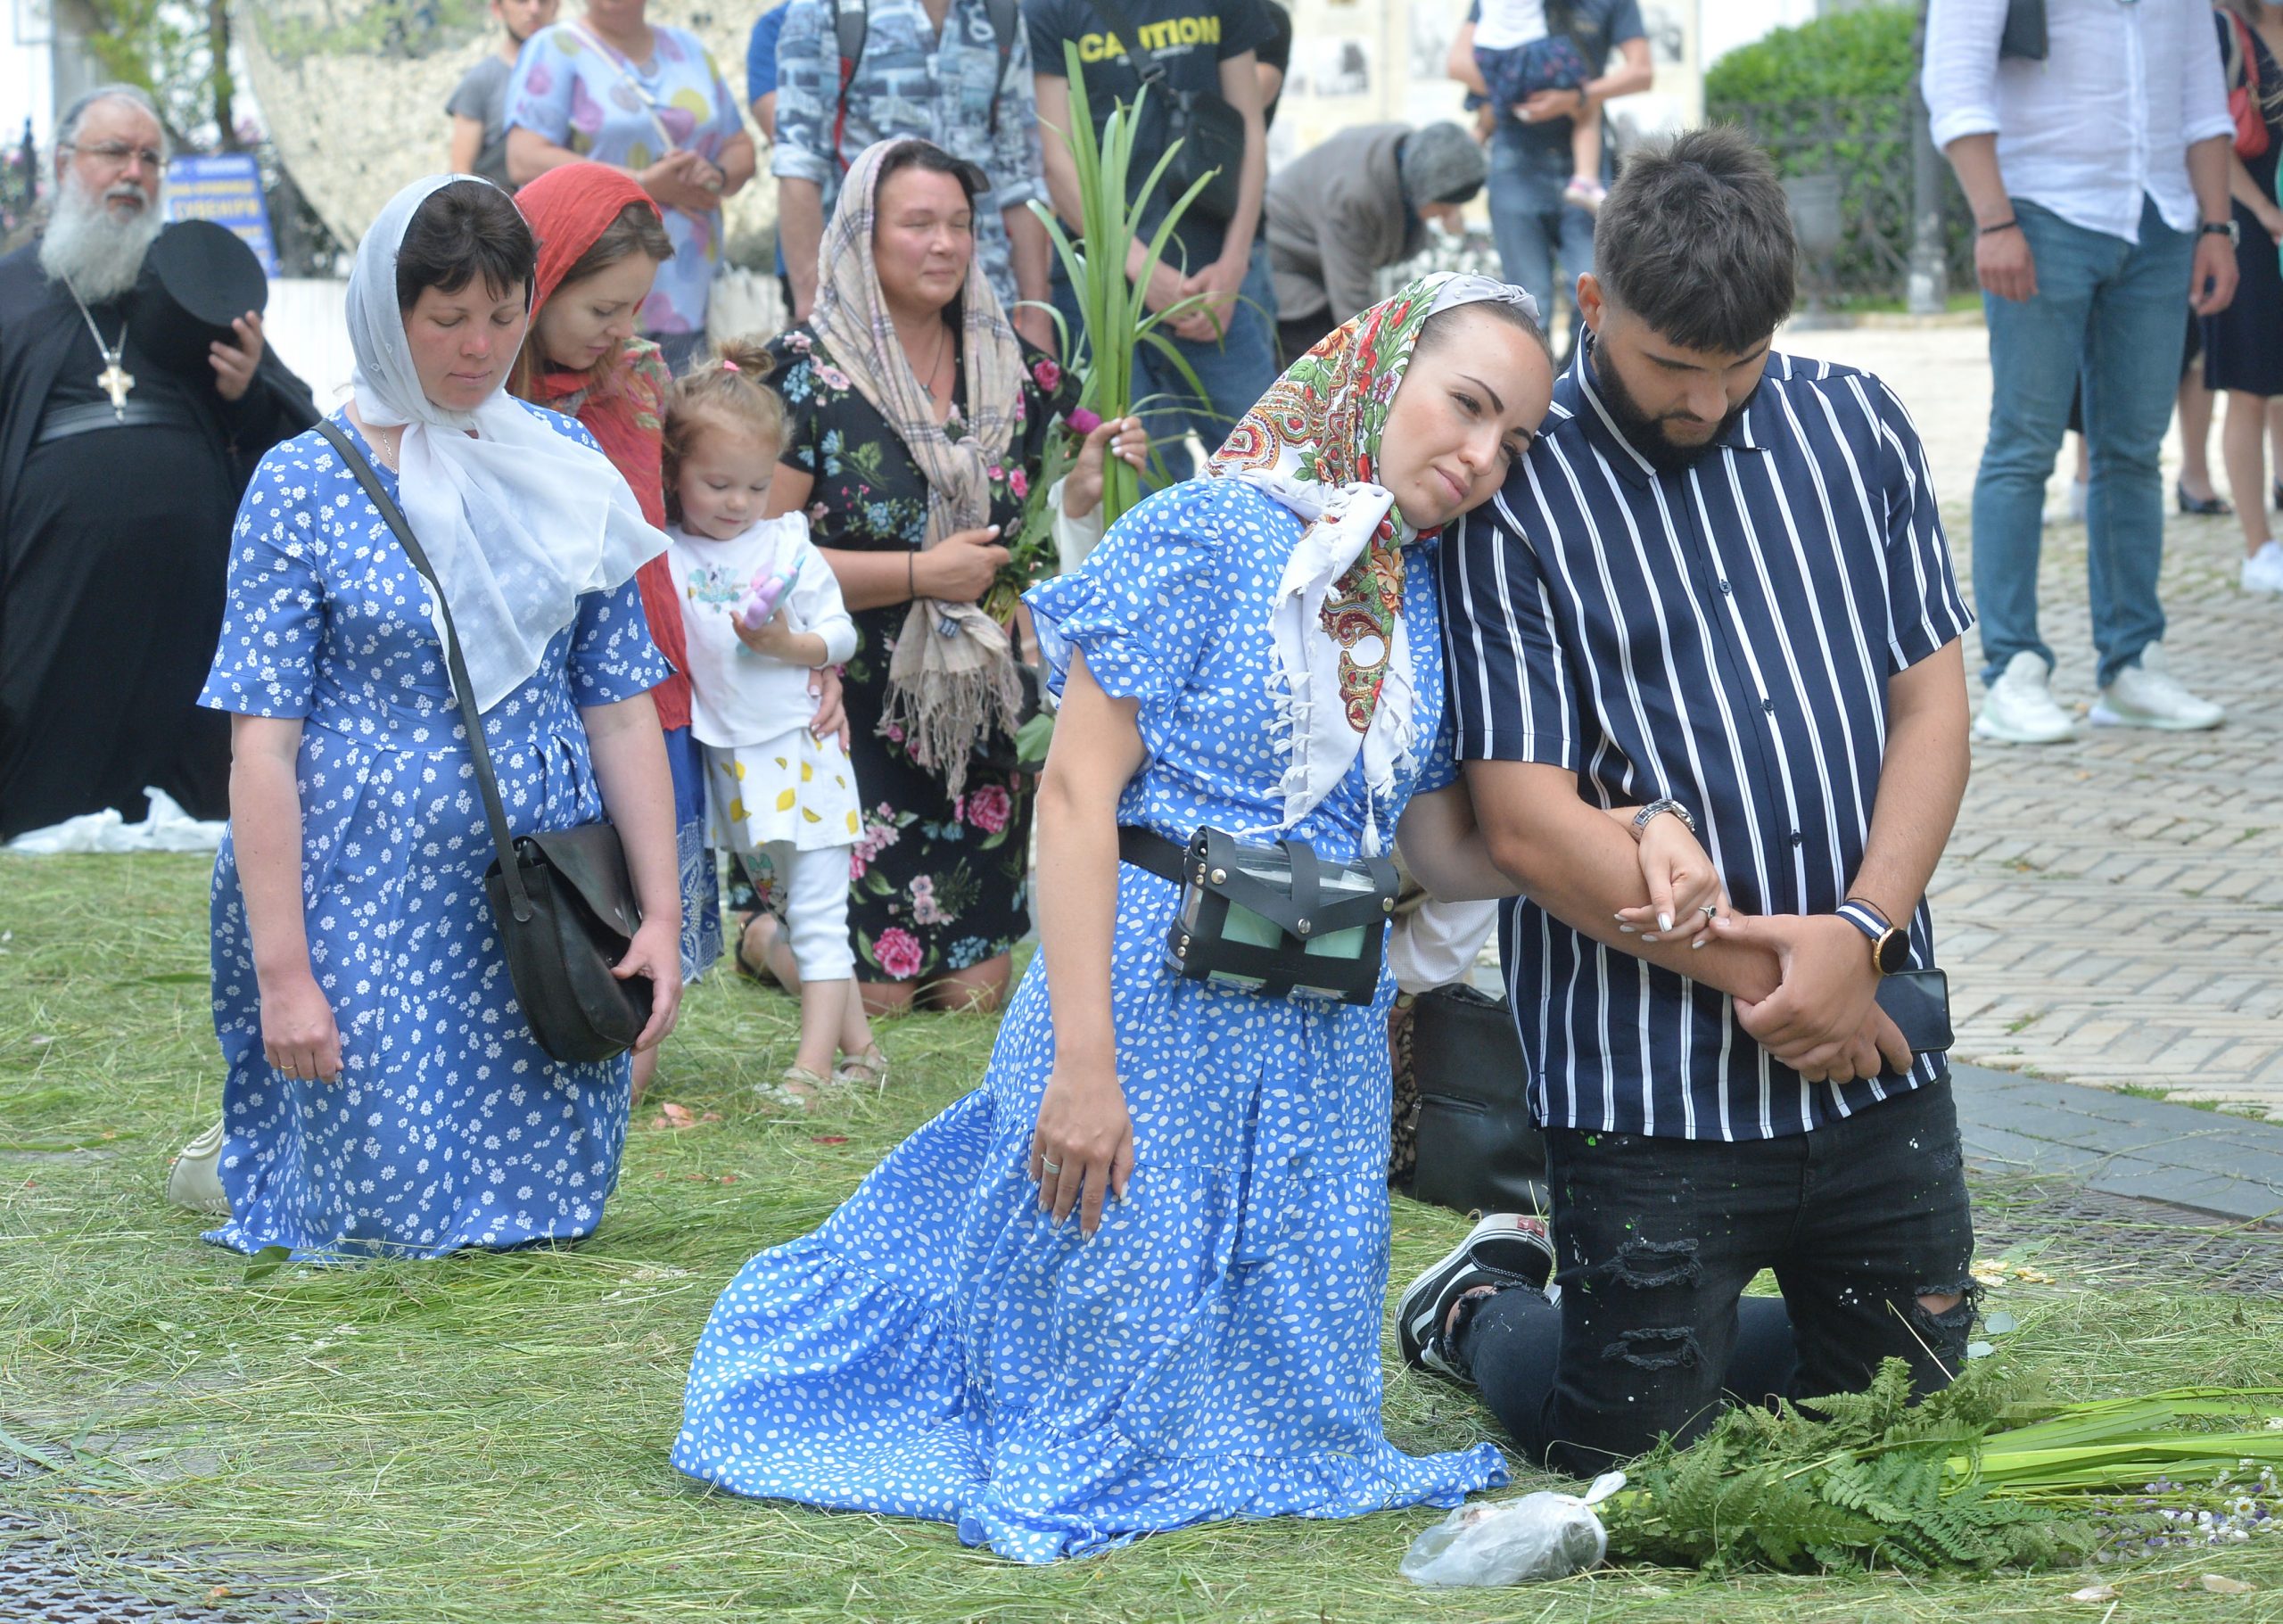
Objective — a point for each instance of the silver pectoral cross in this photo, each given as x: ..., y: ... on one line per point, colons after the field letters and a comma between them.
x: 115, y: 381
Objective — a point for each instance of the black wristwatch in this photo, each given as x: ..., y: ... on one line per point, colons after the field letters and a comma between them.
x: 2230, y: 228
x: 1890, y: 944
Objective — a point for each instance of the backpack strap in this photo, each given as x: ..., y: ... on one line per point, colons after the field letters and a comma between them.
x: 852, y: 20
x: 1006, y: 16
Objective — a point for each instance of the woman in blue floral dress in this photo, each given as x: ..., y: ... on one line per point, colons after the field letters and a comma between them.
x: 1203, y: 1341
x: 384, y: 1096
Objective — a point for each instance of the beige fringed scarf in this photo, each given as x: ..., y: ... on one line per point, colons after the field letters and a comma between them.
x: 952, y: 677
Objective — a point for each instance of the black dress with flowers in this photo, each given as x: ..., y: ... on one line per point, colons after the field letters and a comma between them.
x: 936, y: 884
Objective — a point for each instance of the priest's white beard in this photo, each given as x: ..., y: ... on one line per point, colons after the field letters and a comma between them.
x: 85, y: 246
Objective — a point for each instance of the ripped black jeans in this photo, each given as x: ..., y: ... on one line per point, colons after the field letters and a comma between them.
x: 1657, y: 1240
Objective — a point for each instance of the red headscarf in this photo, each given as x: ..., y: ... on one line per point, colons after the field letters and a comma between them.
x: 622, y: 402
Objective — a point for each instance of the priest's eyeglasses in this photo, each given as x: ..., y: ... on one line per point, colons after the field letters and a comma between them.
x: 120, y: 153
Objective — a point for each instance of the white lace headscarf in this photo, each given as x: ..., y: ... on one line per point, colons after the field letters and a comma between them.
x: 518, y: 520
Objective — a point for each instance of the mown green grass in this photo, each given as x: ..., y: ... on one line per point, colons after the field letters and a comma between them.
x: 485, y: 1439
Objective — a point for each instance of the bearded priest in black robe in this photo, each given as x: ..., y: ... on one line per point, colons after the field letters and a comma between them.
x: 120, y: 478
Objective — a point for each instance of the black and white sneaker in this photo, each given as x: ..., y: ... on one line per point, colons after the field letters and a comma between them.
x: 1505, y: 1248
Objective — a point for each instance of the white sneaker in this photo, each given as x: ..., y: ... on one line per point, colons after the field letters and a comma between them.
x: 2020, y: 709
x: 2070, y: 508
x: 2264, y: 569
x: 2148, y: 695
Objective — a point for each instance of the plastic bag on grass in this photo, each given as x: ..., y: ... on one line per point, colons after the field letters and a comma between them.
x: 165, y: 828
x: 1514, y: 1542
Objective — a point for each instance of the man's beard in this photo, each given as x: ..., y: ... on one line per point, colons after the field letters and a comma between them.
x: 98, y: 255
x: 1646, y: 435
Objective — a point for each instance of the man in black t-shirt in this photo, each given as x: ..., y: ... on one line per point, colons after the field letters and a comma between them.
x: 1205, y: 47
x: 1529, y: 149
x: 1274, y: 57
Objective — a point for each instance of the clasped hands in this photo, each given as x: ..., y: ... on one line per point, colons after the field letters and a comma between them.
x: 1823, y: 1018
x: 1216, y: 285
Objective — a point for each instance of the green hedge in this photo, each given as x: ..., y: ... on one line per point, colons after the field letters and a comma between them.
x: 1834, y: 97
x: 1864, y: 53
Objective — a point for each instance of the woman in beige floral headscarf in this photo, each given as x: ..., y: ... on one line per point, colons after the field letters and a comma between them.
x: 917, y: 423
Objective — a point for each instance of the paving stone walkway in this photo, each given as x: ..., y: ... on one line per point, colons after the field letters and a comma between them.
x: 2111, y: 909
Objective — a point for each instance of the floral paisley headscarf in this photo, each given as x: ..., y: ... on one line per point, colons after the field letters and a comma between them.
x: 1313, y: 442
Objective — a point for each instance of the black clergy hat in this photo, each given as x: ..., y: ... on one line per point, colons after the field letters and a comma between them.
x: 197, y: 278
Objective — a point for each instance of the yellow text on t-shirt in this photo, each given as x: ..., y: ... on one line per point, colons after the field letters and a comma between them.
x: 1155, y: 37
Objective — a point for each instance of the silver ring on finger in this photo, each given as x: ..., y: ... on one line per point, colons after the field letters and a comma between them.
x: 1054, y: 1167
x: 1711, y: 911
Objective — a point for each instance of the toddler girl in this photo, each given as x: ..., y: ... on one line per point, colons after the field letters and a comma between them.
x: 773, y: 786
x: 1519, y: 55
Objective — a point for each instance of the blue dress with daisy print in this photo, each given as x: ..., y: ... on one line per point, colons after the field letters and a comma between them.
x: 940, y: 1349
x: 449, y: 1127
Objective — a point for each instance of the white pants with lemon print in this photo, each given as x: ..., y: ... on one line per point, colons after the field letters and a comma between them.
x: 793, y: 800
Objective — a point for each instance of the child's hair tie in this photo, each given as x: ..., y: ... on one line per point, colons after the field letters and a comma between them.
x: 727, y: 365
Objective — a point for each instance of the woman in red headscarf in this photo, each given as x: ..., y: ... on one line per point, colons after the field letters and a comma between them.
x: 600, y: 243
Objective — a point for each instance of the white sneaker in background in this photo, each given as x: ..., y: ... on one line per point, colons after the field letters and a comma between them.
x: 2264, y: 569
x: 2020, y: 708
x: 2070, y: 508
x: 2148, y: 695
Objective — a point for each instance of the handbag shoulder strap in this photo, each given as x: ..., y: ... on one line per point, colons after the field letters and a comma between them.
x: 487, y: 778
x: 1139, y: 56
x: 619, y: 59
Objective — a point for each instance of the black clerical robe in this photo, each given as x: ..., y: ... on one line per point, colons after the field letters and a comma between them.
x: 114, y: 545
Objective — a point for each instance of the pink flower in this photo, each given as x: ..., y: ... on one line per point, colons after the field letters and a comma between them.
x: 1084, y: 422
x: 925, y: 909
x: 1019, y: 482
x: 1048, y: 374
x: 878, y: 836
x: 832, y: 376
x: 988, y: 808
x: 897, y: 952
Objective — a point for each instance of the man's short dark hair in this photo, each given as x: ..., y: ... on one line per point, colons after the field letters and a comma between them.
x: 1696, y: 239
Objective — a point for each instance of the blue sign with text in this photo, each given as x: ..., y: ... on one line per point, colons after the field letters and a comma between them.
x: 227, y: 189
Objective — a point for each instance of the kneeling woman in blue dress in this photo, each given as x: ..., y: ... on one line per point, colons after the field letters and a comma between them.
x: 385, y: 1094
x: 1135, y: 1281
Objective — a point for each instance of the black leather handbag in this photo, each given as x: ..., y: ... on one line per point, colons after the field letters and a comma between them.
x: 1272, y: 919
x: 1211, y: 132
x: 1478, y: 1150
x: 563, y: 899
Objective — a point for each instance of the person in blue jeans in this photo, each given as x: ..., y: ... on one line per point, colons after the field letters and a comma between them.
x: 1534, y: 222
x: 2098, y: 182
x: 1206, y: 47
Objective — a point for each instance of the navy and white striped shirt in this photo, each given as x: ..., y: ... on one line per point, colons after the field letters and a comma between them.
x: 1723, y: 636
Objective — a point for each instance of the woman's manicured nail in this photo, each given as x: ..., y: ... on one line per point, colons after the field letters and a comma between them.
x: 1664, y: 921
x: 1625, y: 930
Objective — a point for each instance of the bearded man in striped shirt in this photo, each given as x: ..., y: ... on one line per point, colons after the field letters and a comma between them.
x: 1716, y: 589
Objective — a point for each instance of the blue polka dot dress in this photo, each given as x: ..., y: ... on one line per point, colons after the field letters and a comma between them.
x: 939, y: 1348
x: 450, y: 1127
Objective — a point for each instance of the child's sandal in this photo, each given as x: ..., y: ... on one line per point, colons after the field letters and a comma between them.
x: 799, y: 1085
x: 870, y: 1067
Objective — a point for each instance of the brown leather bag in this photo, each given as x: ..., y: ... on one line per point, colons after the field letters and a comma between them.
x: 563, y: 898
